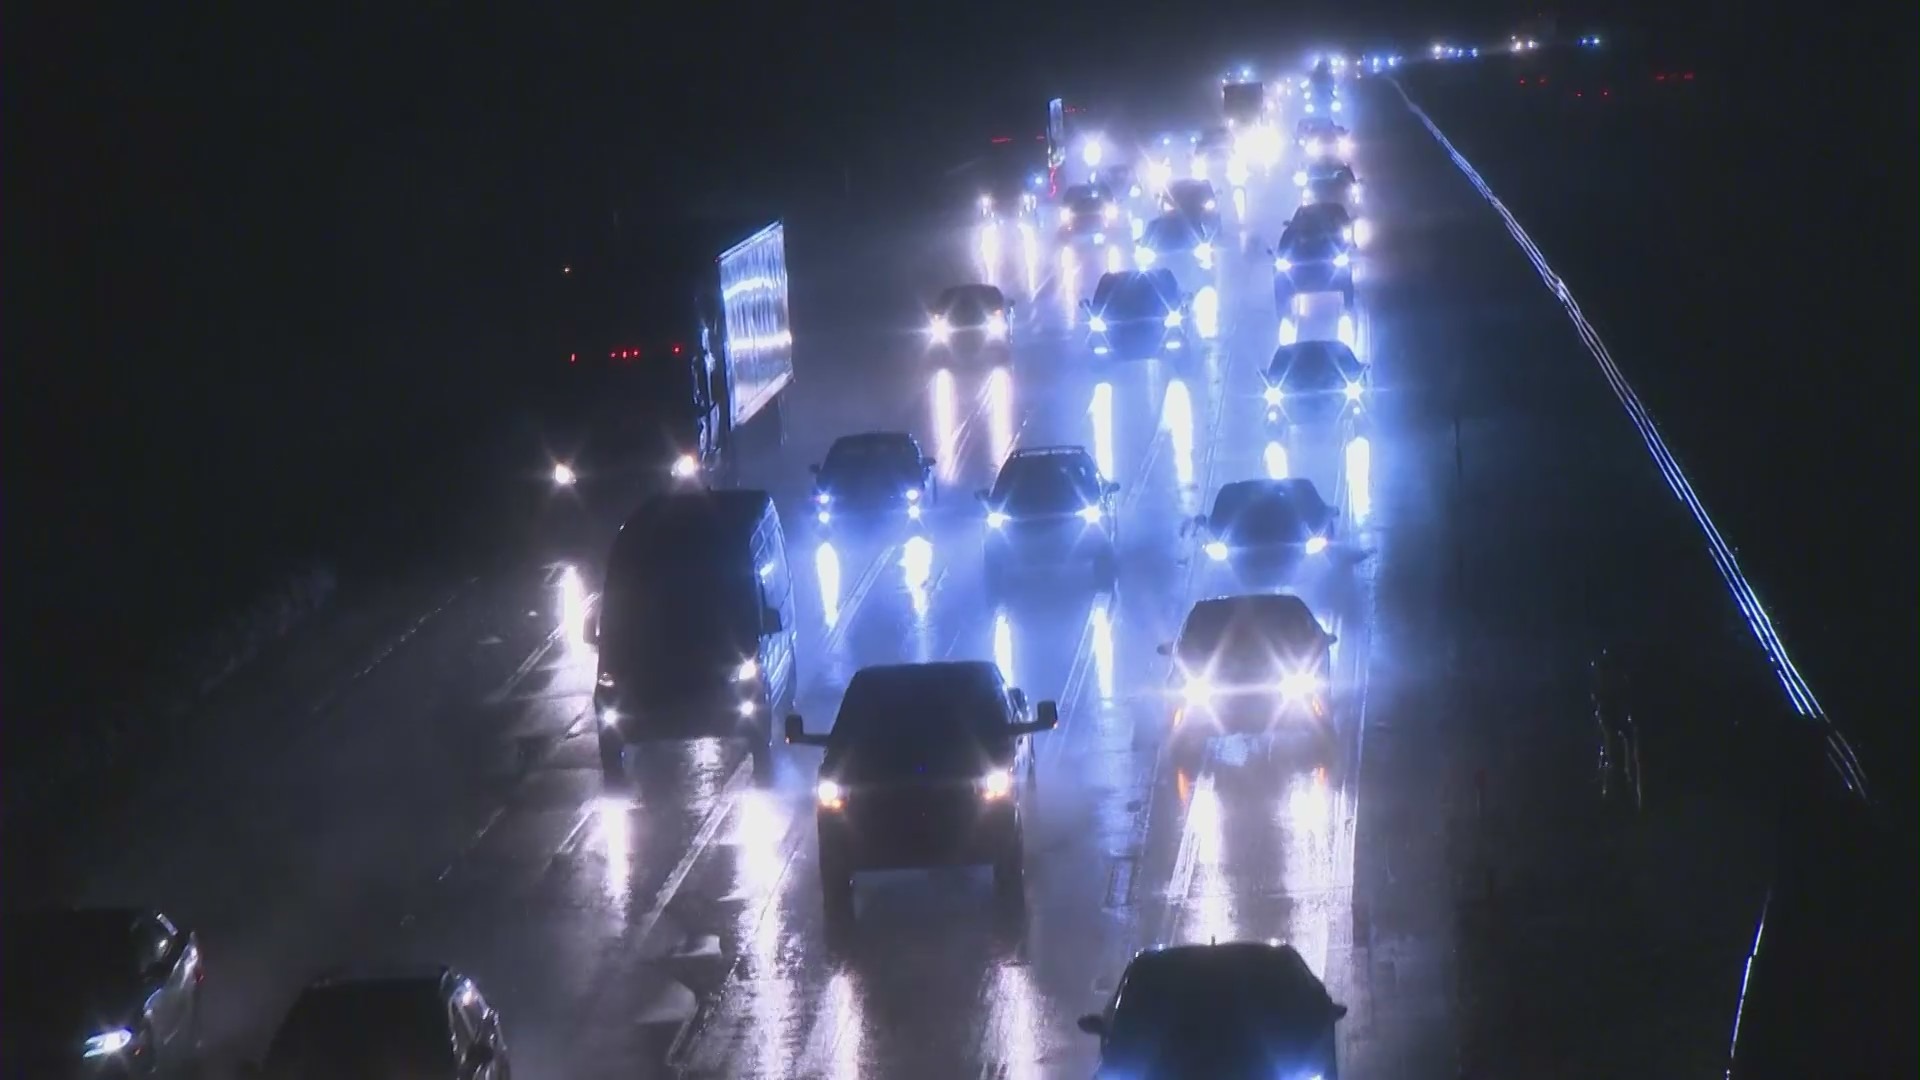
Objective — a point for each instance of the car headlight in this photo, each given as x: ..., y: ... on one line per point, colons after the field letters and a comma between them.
x: 913, y: 495
x: 1213, y: 204
x: 938, y: 328
x: 563, y: 474
x: 604, y: 680
x: 823, y: 517
x: 1090, y: 514
x: 1173, y: 319
x: 1316, y: 544
x: 1336, y: 106
x: 686, y: 467
x: 1353, y: 391
x: 1097, y: 324
x: 1197, y: 691
x: 1300, y: 178
x: 1203, y: 251
x: 997, y: 325
x: 996, y: 785
x: 996, y: 519
x: 1354, y: 192
x: 824, y: 498
x: 1346, y: 232
x: 1283, y: 264
x: 748, y: 670
x: 1346, y: 146
x: 1274, y: 396
x: 1217, y: 551
x: 1342, y: 260
x: 1066, y: 215
x: 986, y: 203
x: 1299, y: 684
x: 1306, y: 197
x: 107, y: 1043
x: 829, y: 795
x: 1110, y: 212
x: 1144, y: 255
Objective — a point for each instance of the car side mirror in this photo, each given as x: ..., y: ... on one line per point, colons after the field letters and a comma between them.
x: 928, y: 463
x: 1111, y: 487
x: 1093, y: 1024
x: 770, y: 621
x: 1164, y: 648
x: 1047, y: 716
x: 1199, y: 521
x: 1086, y: 305
x: 1333, y: 639
x: 1339, y: 1011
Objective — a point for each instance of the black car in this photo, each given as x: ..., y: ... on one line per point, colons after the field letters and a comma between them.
x: 1050, y: 505
x: 1312, y: 258
x: 1089, y: 210
x: 1137, y: 314
x: 1196, y: 201
x: 924, y: 767
x: 1315, y: 383
x: 410, y: 1026
x: 879, y: 476
x: 1321, y: 137
x: 99, y: 992
x: 1172, y: 242
x: 971, y: 320
x: 1275, y: 520
x: 1239, y: 1011
x: 1330, y: 182
x: 1257, y: 664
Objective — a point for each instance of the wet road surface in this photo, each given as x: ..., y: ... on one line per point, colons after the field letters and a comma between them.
x: 419, y: 783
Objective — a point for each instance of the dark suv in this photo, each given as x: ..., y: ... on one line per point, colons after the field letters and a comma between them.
x: 924, y: 767
x: 1050, y: 505
x: 1256, y: 664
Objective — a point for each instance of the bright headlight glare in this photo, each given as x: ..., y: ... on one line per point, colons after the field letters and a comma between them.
x: 1066, y: 215
x: 1299, y: 684
x: 1282, y: 264
x: 1213, y: 204
x: 1110, y: 212
x: 107, y: 1043
x: 1316, y: 545
x: 1274, y: 396
x: 829, y: 795
x: 996, y: 784
x: 1090, y: 515
x: 1173, y: 319
x: 563, y: 474
x: 1203, y: 251
x: 686, y: 467
x: 1353, y: 391
x: 1197, y: 691
x: 996, y: 519
x: 913, y: 495
x: 823, y: 498
x: 1342, y: 259
x: 1217, y: 551
x: 1300, y: 178
x: 997, y: 325
x: 1097, y: 324
x: 748, y: 670
x: 1144, y: 255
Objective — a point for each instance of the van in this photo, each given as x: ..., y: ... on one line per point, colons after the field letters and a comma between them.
x: 695, y: 625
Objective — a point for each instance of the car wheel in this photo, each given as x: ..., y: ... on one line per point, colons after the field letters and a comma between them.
x: 613, y: 757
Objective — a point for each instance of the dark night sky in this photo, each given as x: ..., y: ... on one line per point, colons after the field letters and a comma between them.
x: 249, y: 250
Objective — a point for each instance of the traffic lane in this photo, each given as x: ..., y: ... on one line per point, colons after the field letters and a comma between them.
x: 1685, y: 338
x: 303, y: 793
x: 991, y: 1010
x: 542, y: 979
x: 1549, y: 534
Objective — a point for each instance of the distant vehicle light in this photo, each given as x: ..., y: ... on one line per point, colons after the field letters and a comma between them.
x: 938, y: 330
x: 824, y: 498
x: 913, y: 495
x: 1342, y: 260
x: 1173, y: 320
x: 1300, y: 178
x: 686, y: 467
x: 1218, y: 551
x: 997, y: 325
x: 1203, y: 251
x: 1110, y: 212
x: 1282, y: 264
x: 563, y: 475
x: 1354, y: 390
x: 830, y: 795
x: 1316, y: 545
x: 1212, y: 204
x: 1097, y: 324
x: 1144, y: 255
x: 1274, y: 395
x: 996, y: 519
x: 1090, y: 514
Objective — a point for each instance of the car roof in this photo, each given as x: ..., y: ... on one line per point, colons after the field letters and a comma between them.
x: 1286, y: 356
x: 1046, y: 455
x: 1313, y: 213
x: 1285, y: 605
x: 1191, y: 184
x: 872, y: 438
x: 954, y: 293
x: 738, y: 507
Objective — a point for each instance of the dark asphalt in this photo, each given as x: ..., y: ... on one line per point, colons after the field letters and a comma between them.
x: 413, y: 782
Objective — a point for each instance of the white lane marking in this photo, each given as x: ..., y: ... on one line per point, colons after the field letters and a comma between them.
x: 527, y: 666
x: 1840, y: 752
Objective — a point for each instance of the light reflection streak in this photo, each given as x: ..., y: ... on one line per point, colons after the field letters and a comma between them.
x: 760, y: 822
x: 1016, y: 1021
x: 916, y: 565
x: 613, y: 821
x: 1102, y: 648
x: 826, y: 567
x: 1101, y: 410
x: 946, y: 423
x: 1206, y: 312
x: 845, y: 1005
x: 1275, y: 456
x: 989, y: 250
x: 573, y: 609
x: 1070, y: 282
x: 1000, y: 413
x: 1003, y: 646
x: 1176, y: 417
x: 1116, y: 262
x: 1360, y: 477
x: 1030, y: 256
x: 1307, y: 818
x: 1213, y: 916
x: 1240, y: 202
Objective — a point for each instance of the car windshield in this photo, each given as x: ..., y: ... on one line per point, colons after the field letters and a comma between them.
x: 1313, y: 366
x: 939, y: 720
x: 1171, y: 234
x: 970, y: 304
x: 1248, y: 626
x: 1133, y: 296
x: 1044, y: 488
x: 373, y: 1031
x: 1191, y: 193
x: 1321, y: 217
x: 853, y: 460
x: 1258, y: 513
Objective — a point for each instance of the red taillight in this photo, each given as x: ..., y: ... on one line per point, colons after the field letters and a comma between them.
x: 999, y: 140
x: 1580, y: 93
x: 1606, y: 93
x: 1660, y: 78
x: 1523, y: 82
x: 1543, y: 80
x: 676, y: 348
x: 573, y: 358
x: 1688, y: 76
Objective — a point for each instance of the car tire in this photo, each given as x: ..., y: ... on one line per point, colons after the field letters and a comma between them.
x: 613, y: 757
